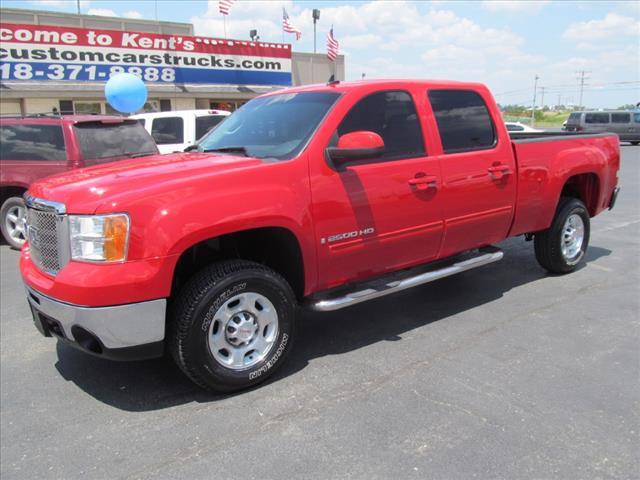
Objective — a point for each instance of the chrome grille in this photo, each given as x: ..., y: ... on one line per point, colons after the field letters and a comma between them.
x: 47, y: 233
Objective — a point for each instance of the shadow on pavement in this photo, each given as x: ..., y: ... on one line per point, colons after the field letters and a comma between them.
x: 158, y: 384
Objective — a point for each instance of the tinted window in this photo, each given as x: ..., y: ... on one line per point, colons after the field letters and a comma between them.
x: 103, y: 140
x: 273, y: 126
x: 32, y: 142
x: 392, y: 115
x: 514, y: 128
x: 206, y: 123
x: 620, y: 117
x: 167, y: 130
x: 596, y: 118
x: 463, y: 120
x: 636, y: 117
x: 574, y: 118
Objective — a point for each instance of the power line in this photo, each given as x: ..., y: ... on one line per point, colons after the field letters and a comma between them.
x: 533, y: 108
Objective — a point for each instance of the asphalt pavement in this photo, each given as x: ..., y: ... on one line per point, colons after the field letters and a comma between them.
x: 500, y: 372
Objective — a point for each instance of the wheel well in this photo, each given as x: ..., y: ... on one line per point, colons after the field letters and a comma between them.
x: 274, y: 247
x: 10, y: 191
x: 585, y: 187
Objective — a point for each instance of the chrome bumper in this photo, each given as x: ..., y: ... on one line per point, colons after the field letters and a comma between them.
x: 131, y: 331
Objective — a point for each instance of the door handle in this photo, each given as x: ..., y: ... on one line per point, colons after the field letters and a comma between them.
x: 424, y: 182
x: 499, y: 171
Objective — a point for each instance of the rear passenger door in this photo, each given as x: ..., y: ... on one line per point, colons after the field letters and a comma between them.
x: 621, y: 124
x: 169, y: 133
x: 29, y: 152
x: 478, y: 170
x: 597, y: 122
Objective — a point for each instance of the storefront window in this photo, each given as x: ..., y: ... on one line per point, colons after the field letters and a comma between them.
x: 88, y: 107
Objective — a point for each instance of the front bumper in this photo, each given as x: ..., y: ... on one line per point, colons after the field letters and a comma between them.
x: 133, y: 331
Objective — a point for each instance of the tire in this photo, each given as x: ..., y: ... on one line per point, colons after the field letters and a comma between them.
x: 208, y: 330
x: 559, y: 248
x: 13, y: 222
x: 634, y: 143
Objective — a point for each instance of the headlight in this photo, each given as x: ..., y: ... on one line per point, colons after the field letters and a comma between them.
x: 99, y: 238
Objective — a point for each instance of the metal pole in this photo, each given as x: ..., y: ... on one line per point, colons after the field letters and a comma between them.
x: 224, y: 20
x: 78, y: 6
x: 533, y: 108
x: 314, y: 35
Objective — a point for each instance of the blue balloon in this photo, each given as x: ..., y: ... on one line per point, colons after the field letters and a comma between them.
x: 125, y: 92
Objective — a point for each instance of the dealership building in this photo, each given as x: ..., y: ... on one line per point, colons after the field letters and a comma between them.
x: 59, y: 62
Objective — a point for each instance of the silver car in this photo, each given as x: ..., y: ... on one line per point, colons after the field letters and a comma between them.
x: 624, y: 123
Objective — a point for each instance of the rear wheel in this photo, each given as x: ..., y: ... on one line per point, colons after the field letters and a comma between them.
x: 13, y: 221
x: 634, y: 143
x: 562, y: 246
x: 232, y: 325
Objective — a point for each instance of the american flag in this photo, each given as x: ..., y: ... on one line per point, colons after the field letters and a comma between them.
x: 225, y: 6
x: 288, y: 27
x: 332, y: 45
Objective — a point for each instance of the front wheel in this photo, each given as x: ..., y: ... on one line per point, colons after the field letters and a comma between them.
x: 563, y: 245
x: 13, y: 222
x: 232, y: 325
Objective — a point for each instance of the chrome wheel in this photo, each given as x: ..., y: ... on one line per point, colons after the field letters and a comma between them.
x: 243, y: 331
x: 572, y: 239
x: 15, y: 222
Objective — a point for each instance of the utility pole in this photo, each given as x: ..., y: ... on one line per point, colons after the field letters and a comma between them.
x: 533, y: 107
x: 315, y: 14
x: 581, y: 78
x: 542, y: 97
x: 78, y: 6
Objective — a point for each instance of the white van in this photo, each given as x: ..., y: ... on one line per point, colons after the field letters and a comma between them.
x: 175, y: 131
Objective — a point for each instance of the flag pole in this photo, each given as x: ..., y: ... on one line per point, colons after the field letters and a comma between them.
x: 224, y: 20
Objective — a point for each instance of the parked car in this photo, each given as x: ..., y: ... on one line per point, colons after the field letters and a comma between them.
x: 34, y: 147
x: 520, y: 127
x: 175, y: 131
x: 321, y: 196
x: 623, y: 123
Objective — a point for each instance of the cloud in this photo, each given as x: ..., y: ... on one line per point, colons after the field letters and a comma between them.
x: 515, y: 6
x: 132, y: 14
x: 102, y: 12
x: 60, y: 3
x: 611, y: 25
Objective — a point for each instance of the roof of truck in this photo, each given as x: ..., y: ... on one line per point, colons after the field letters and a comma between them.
x: 44, y: 119
x: 388, y: 83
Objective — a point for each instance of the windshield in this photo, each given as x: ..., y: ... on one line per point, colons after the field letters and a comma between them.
x: 276, y: 126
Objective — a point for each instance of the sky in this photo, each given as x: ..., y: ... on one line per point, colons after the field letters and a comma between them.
x: 503, y: 44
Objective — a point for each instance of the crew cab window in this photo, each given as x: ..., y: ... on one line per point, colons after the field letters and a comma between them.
x: 392, y: 115
x: 206, y: 123
x: 596, y: 118
x: 103, y: 140
x: 620, y: 118
x: 32, y: 142
x: 167, y: 130
x: 463, y: 120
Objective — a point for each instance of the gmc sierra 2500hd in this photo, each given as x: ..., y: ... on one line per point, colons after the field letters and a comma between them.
x: 321, y: 196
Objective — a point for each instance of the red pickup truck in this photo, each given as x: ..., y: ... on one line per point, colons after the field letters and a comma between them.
x: 320, y: 197
x: 35, y: 146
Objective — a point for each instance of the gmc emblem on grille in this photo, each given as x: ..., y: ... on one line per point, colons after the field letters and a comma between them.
x: 34, y: 237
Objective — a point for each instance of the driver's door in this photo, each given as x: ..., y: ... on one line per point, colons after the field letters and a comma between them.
x: 381, y: 214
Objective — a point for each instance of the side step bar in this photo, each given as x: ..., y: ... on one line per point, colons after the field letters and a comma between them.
x: 336, y: 303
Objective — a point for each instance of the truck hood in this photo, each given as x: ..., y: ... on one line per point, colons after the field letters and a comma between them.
x: 84, y: 190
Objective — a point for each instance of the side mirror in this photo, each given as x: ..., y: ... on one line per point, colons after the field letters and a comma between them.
x: 191, y: 148
x: 354, y: 146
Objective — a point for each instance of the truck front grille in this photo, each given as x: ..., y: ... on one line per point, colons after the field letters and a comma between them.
x: 47, y: 230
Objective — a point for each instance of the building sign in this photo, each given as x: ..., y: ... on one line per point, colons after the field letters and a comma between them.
x: 48, y: 53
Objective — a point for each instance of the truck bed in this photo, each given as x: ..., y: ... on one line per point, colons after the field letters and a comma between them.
x: 545, y: 160
x: 522, y: 137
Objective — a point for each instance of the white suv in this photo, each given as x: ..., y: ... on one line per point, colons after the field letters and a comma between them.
x: 177, y: 130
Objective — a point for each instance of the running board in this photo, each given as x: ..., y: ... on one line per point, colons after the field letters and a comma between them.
x: 380, y: 290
